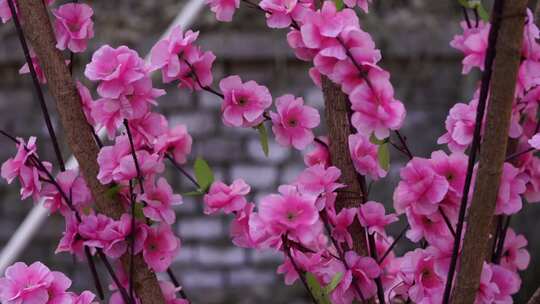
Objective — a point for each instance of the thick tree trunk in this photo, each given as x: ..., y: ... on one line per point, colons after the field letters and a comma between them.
x: 337, y: 112
x: 493, y: 150
x: 37, y: 29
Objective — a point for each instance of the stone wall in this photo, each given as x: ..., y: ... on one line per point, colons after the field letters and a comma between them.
x: 413, y: 36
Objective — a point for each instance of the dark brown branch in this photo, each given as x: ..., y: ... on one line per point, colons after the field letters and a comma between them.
x: 493, y: 153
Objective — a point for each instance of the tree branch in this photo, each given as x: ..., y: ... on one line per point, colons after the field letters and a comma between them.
x: 37, y: 28
x: 493, y: 152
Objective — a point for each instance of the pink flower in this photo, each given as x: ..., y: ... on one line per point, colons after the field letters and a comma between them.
x: 510, y: 190
x: 514, y: 255
x: 160, y: 247
x: 159, y: 201
x: 116, y: 69
x: 431, y: 227
x: 363, y: 4
x: 147, y: 129
x: 508, y: 283
x: 459, y: 126
x: 317, y: 180
x: 5, y: 12
x: 418, y: 272
x: 341, y: 223
x: 244, y: 103
x: 179, y: 59
x: 170, y: 293
x: 293, y: 122
x: 109, y: 158
x: 326, y: 23
x: 224, y: 9
x: 365, y: 157
x: 374, y: 106
x: 364, y: 270
x: 73, y: 186
x: 473, y: 43
x: 240, y: 227
x: 86, y: 101
x: 372, y: 216
x: 116, y: 236
x: 25, y: 69
x: 289, y: 213
x: 281, y: 13
x: 302, y: 52
x: 73, y: 26
x: 319, y: 155
x: 453, y: 167
x: 226, y: 198
x: 176, y: 141
x: 12, y: 167
x: 420, y: 188
x: 86, y: 297
x: 70, y: 241
x: 149, y: 164
x: 92, y: 229
x: 26, y: 284
x: 532, y: 172
x: 487, y: 289
x: 535, y: 141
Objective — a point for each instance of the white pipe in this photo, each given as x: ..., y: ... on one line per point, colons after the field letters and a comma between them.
x: 37, y: 216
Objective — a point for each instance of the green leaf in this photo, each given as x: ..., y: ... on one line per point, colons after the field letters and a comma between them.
x: 204, y: 174
x: 318, y: 292
x: 139, y: 211
x: 339, y: 4
x: 112, y: 192
x: 334, y: 283
x: 263, y: 137
x: 374, y: 140
x: 193, y: 193
x: 482, y: 12
x: 383, y: 154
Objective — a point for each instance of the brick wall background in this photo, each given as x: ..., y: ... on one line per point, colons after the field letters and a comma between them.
x: 413, y: 36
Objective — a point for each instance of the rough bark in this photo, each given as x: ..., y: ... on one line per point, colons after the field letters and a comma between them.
x: 493, y: 150
x: 37, y: 29
x: 337, y: 112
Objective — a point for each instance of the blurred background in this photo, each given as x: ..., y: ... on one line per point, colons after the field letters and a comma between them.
x: 414, y: 37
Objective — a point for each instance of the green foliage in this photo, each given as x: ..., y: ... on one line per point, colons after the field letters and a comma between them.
x: 203, y: 174
x: 476, y: 5
x: 383, y: 154
x: 263, y: 137
x: 112, y: 192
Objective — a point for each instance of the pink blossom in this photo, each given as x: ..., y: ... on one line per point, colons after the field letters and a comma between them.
x: 530, y: 34
x: 226, y: 198
x: 317, y: 180
x: 302, y: 52
x: 289, y: 213
x: 473, y: 43
x: 453, y: 167
x: 240, y: 227
x: 176, y: 141
x: 224, y: 9
x: 280, y: 13
x: 73, y: 26
x: 244, y: 103
x: 306, y: 261
x: 514, y: 255
x: 27, y: 284
x: 487, y: 289
x: 431, y: 227
x: 109, y: 158
x: 372, y: 216
x: 170, y: 293
x: 116, y: 236
x: 364, y: 270
x: 159, y: 201
x: 532, y: 172
x: 363, y: 4
x: 459, y: 126
x: 73, y: 186
x: 116, y: 69
x: 92, y: 229
x: 535, y: 141
x: 25, y: 69
x: 12, y: 167
x: 149, y: 164
x: 374, y: 106
x: 365, y: 157
x: 418, y: 272
x: 86, y: 297
x: 319, y: 155
x: 341, y: 223
x: 86, y: 102
x: 326, y: 23
x: 5, y: 12
x: 420, y: 188
x: 147, y: 129
x: 70, y: 241
x: 508, y: 283
x: 510, y: 190
x: 160, y: 247
x: 293, y: 122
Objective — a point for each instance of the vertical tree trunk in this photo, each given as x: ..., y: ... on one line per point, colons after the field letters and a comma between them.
x: 493, y: 150
x: 337, y: 112
x: 37, y: 29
